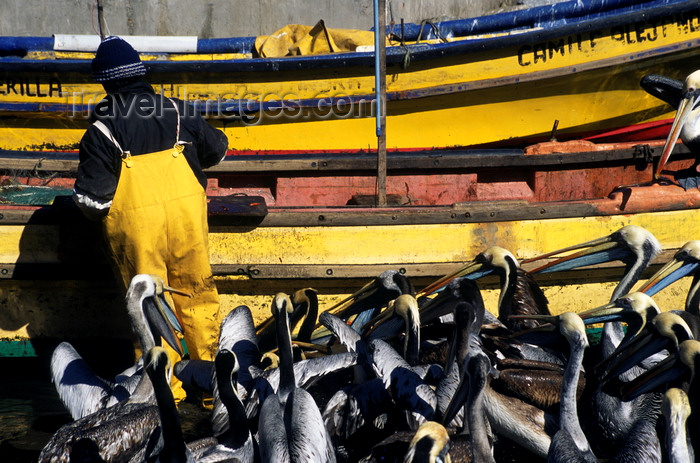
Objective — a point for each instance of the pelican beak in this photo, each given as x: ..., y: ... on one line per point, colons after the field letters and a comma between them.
x: 547, y: 334
x: 687, y: 104
x: 548, y: 325
x: 362, y: 293
x: 673, y: 271
x: 472, y: 270
x: 663, y: 372
x: 163, y: 321
x: 606, y: 313
x: 630, y: 354
x: 163, y: 305
x: 593, y: 252
x: 381, y: 317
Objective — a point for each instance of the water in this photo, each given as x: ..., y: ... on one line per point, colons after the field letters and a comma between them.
x: 30, y: 409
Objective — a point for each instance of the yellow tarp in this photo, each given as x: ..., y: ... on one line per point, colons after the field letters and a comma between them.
x: 296, y: 40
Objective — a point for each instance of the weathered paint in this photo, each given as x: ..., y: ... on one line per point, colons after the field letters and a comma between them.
x: 59, y: 308
x: 436, y: 243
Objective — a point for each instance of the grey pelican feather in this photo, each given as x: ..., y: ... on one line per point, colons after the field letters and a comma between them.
x: 408, y: 391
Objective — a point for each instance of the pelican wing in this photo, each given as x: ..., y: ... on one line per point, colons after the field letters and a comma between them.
x: 80, y: 389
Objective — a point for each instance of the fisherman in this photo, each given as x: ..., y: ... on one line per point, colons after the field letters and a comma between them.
x: 140, y: 174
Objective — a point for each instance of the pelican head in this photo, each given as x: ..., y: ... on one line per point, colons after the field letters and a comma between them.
x: 685, y: 124
x: 157, y: 360
x: 485, y: 263
x: 146, y: 304
x: 431, y: 443
x: 628, y: 243
x: 281, y: 304
x: 684, y: 262
x: 572, y: 328
x: 635, y: 309
x: 406, y: 307
x: 568, y: 324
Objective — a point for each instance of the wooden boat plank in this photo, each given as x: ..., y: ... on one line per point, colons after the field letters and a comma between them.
x: 419, y: 160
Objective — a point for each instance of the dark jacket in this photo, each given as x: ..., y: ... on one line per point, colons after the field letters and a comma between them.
x: 141, y: 122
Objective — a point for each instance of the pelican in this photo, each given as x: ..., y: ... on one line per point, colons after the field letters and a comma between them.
x: 508, y: 416
x: 520, y: 294
x: 635, y: 246
x: 478, y: 369
x: 237, y: 334
x: 174, y: 448
x: 636, y: 309
x: 685, y: 124
x: 569, y: 442
x: 676, y: 409
x: 466, y: 342
x: 81, y: 391
x: 291, y: 428
x: 238, y: 438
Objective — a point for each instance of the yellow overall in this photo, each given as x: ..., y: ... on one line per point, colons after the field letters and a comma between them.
x: 157, y: 224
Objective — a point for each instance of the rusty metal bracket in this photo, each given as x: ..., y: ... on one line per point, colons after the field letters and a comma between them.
x: 643, y: 153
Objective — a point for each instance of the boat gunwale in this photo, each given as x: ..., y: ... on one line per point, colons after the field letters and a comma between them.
x: 424, y: 160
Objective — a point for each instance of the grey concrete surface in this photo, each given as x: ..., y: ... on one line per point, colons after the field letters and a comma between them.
x: 223, y: 18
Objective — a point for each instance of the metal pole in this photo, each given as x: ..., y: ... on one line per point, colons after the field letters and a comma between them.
x: 380, y: 91
x: 101, y: 19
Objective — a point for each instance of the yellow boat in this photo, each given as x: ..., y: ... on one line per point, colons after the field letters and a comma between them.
x: 292, y: 206
x: 498, y: 79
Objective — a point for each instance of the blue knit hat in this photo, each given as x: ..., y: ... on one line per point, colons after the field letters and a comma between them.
x: 116, y: 60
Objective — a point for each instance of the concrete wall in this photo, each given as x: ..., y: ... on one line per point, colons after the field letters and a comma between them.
x: 223, y: 18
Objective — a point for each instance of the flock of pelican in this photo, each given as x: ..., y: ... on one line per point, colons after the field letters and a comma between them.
x: 395, y: 374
